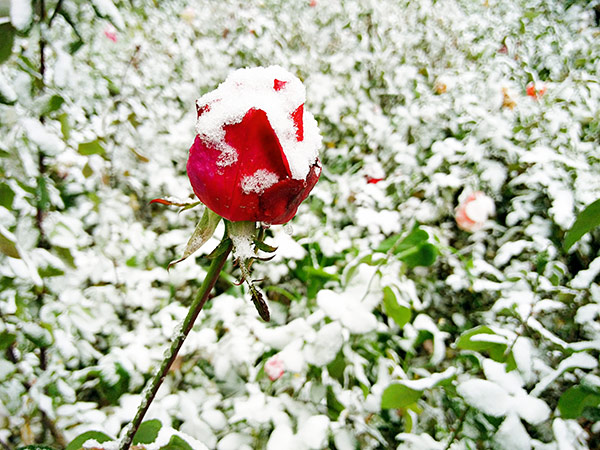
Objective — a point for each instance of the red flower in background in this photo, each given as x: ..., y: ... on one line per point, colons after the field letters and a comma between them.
x: 255, y: 155
x: 534, y: 91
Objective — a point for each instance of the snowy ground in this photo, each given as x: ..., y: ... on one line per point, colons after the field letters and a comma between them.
x: 448, y: 339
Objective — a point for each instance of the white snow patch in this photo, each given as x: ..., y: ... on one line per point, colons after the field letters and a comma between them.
x: 576, y: 360
x: 20, y: 13
x: 584, y: 278
x: 349, y: 310
x: 107, y: 8
x: 430, y: 381
x: 258, y: 182
x: 38, y: 134
x: 512, y: 435
x: 247, y: 89
x: 486, y: 396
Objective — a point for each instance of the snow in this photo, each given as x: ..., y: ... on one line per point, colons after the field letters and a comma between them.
x: 348, y: 309
x: 253, y: 88
x: 39, y: 135
x: 409, y: 92
x: 576, y: 360
x: 108, y: 9
x: 21, y: 12
x: 430, y: 381
x: 258, y: 182
x: 480, y: 208
x: 485, y: 396
x: 512, y: 435
x: 584, y: 278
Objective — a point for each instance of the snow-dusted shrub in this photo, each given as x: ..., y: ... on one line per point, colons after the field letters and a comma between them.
x: 391, y: 327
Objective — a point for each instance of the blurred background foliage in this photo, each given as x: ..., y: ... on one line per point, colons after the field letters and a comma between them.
x: 393, y: 325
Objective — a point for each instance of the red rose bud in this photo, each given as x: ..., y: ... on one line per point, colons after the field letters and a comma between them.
x: 255, y: 156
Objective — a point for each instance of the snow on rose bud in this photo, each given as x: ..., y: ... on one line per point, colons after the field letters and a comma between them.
x: 472, y: 213
x: 255, y: 156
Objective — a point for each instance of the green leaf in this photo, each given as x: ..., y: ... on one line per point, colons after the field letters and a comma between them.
x: 586, y: 221
x: 575, y: 399
x: 65, y: 128
x: 334, y: 407
x: 203, y: 232
x: 264, y: 247
x: 425, y: 255
x: 224, y: 246
x: 147, y: 432
x: 6, y: 196
x: 398, y: 396
x: 337, y: 366
x: 414, y: 249
x: 91, y: 148
x: 176, y: 443
x: 78, y: 442
x: 54, y: 104
x: 6, y: 339
x: 7, y: 243
x: 7, y: 38
x: 495, y: 349
x: 399, y: 313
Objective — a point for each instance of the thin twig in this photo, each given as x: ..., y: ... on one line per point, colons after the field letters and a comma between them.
x: 458, y: 427
x: 181, y: 333
x: 55, y: 13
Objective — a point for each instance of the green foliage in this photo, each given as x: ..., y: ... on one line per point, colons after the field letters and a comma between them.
x: 413, y: 249
x: 578, y: 400
x: 91, y: 148
x: 7, y: 245
x: 494, y: 349
x: 176, y: 443
x: 78, y: 442
x: 399, y: 396
x: 399, y: 313
x: 7, y: 38
x: 147, y: 432
x: 36, y: 447
x: 586, y: 221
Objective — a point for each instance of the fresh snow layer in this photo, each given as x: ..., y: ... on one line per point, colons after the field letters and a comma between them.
x: 20, y: 13
x: 479, y: 209
x: 254, y: 88
x: 258, y: 182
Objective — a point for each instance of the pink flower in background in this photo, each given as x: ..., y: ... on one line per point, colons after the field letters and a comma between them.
x: 535, y: 91
x: 111, y: 33
x: 474, y: 211
x: 274, y: 368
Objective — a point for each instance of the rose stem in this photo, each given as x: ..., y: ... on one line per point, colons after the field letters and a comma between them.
x: 181, y: 333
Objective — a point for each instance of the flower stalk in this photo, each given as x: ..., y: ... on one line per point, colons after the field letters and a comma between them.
x: 179, y: 337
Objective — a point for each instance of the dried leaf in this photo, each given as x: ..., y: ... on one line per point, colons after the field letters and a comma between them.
x: 259, y: 302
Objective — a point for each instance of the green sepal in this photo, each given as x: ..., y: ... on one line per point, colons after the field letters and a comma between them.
x: 223, y: 246
x: 203, y: 232
x: 264, y: 247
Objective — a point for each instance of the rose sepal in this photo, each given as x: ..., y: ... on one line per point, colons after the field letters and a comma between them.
x: 203, y: 232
